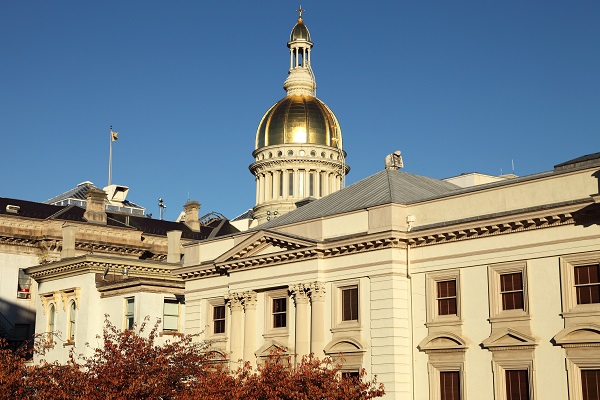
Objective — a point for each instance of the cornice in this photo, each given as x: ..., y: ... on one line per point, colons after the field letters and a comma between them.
x: 283, y: 163
x: 101, y: 264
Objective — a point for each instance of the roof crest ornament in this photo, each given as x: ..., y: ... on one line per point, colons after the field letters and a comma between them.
x: 300, y: 11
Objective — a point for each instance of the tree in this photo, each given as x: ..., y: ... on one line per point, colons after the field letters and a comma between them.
x: 131, y: 365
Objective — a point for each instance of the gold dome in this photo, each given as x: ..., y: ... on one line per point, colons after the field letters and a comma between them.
x: 296, y: 120
x: 300, y: 32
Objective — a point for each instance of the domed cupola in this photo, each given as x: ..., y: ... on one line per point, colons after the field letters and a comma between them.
x: 298, y: 149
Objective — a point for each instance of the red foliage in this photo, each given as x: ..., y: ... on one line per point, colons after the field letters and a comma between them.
x: 132, y: 365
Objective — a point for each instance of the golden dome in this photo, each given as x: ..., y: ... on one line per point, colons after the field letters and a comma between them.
x: 296, y: 120
x: 300, y: 32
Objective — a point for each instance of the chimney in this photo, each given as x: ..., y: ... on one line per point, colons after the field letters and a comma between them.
x: 174, y: 246
x: 191, y: 209
x: 95, y: 211
x: 68, y: 241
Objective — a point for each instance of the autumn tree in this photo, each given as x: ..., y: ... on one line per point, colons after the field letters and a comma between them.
x: 132, y: 365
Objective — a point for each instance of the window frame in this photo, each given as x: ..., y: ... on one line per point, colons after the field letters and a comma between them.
x: 574, y: 367
x: 435, y: 370
x: 338, y: 290
x: 126, y: 325
x: 178, y: 304
x: 495, y: 272
x: 568, y: 288
x: 72, y: 320
x: 212, y: 304
x: 500, y: 367
x: 431, y: 281
x: 270, y: 329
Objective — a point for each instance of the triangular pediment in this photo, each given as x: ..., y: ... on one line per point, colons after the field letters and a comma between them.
x: 265, y: 243
x: 508, y: 337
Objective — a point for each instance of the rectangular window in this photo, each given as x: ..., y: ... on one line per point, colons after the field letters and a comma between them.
x: 290, y: 183
x: 446, y: 297
x: 590, y: 384
x: 171, y: 315
x: 517, y: 384
x: 449, y: 385
x: 587, y: 284
x: 350, y: 304
x: 218, y: 320
x: 129, y: 313
x: 301, y: 184
x: 24, y: 285
x: 279, y: 312
x: 311, y: 184
x: 280, y: 177
x: 511, y: 289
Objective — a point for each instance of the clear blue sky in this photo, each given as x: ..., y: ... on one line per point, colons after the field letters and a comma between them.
x: 457, y: 86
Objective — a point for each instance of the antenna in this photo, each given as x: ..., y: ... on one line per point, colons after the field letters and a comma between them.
x: 161, y: 207
x: 513, y: 166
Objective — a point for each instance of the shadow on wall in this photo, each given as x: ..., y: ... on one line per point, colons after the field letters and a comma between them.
x: 17, y: 323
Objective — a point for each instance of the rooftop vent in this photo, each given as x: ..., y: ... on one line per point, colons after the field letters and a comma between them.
x: 12, y: 209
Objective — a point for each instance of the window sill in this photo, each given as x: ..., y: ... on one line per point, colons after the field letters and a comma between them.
x: 583, y: 310
x: 169, y: 333
x: 274, y: 333
x: 510, y: 315
x: 450, y: 320
x: 69, y: 343
x: 347, y: 326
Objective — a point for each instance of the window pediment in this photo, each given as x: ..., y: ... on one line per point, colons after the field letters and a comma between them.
x: 508, y: 338
x: 443, y: 341
x: 580, y: 334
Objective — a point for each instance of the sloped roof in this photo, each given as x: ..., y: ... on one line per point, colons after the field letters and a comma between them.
x: 41, y: 211
x: 79, y: 192
x: 387, y: 186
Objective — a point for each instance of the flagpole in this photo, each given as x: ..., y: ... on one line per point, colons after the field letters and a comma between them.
x: 110, y: 139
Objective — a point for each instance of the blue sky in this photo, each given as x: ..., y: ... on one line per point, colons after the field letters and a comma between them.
x: 457, y: 86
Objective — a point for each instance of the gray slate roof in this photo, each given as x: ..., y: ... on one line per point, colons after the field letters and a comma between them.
x: 387, y: 186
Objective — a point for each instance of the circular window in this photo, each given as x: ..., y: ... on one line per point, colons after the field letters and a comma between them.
x: 279, y: 153
x: 302, y: 152
x: 290, y: 153
x: 270, y: 154
x: 313, y: 153
x: 331, y: 156
x: 323, y: 154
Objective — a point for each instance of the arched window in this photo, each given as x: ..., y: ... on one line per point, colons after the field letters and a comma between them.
x: 51, y: 318
x: 72, y: 315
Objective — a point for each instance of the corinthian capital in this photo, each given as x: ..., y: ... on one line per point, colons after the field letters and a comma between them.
x: 317, y: 291
x: 300, y: 293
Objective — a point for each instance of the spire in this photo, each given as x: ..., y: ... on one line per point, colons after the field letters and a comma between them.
x: 300, y: 80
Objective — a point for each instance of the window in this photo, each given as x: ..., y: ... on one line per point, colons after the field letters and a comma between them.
x: 280, y: 312
x: 446, y: 376
x: 280, y: 179
x: 446, y: 297
x: 508, y: 292
x: 580, y: 284
x: 51, y: 317
x: 290, y: 183
x: 443, y: 297
x: 449, y: 385
x: 129, y: 313
x: 513, y: 379
x: 517, y: 384
x: 587, y: 284
x: 24, y: 285
x: 72, y: 316
x: 590, y: 384
x: 350, y: 304
x: 171, y: 315
x: 301, y: 183
x: 511, y: 289
x: 311, y: 184
x: 218, y: 320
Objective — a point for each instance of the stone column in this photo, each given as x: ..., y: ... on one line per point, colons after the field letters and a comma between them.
x: 250, y: 326
x: 317, y: 298
x: 68, y: 241
x: 303, y: 323
x: 174, y: 246
x: 235, y: 303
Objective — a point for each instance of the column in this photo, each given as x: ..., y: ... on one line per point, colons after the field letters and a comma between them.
x: 296, y: 180
x: 250, y: 327
x: 317, y: 298
x: 235, y: 301
x: 286, y: 183
x: 257, y: 190
x: 291, y: 58
x: 300, y: 295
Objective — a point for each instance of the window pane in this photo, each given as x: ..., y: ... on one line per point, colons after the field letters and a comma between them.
x: 279, y: 313
x: 509, y: 282
x: 170, y: 323
x: 450, y: 385
x: 218, y: 319
x: 517, y: 384
x: 171, y: 307
x: 350, y: 304
x: 586, y: 274
x: 446, y: 289
x: 447, y: 306
x: 590, y: 384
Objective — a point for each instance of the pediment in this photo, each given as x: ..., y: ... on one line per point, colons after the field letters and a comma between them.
x: 508, y: 337
x: 443, y: 341
x: 265, y: 243
x: 578, y: 335
x: 271, y: 347
x: 344, y: 345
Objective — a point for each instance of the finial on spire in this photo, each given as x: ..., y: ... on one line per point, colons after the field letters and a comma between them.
x: 300, y: 11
